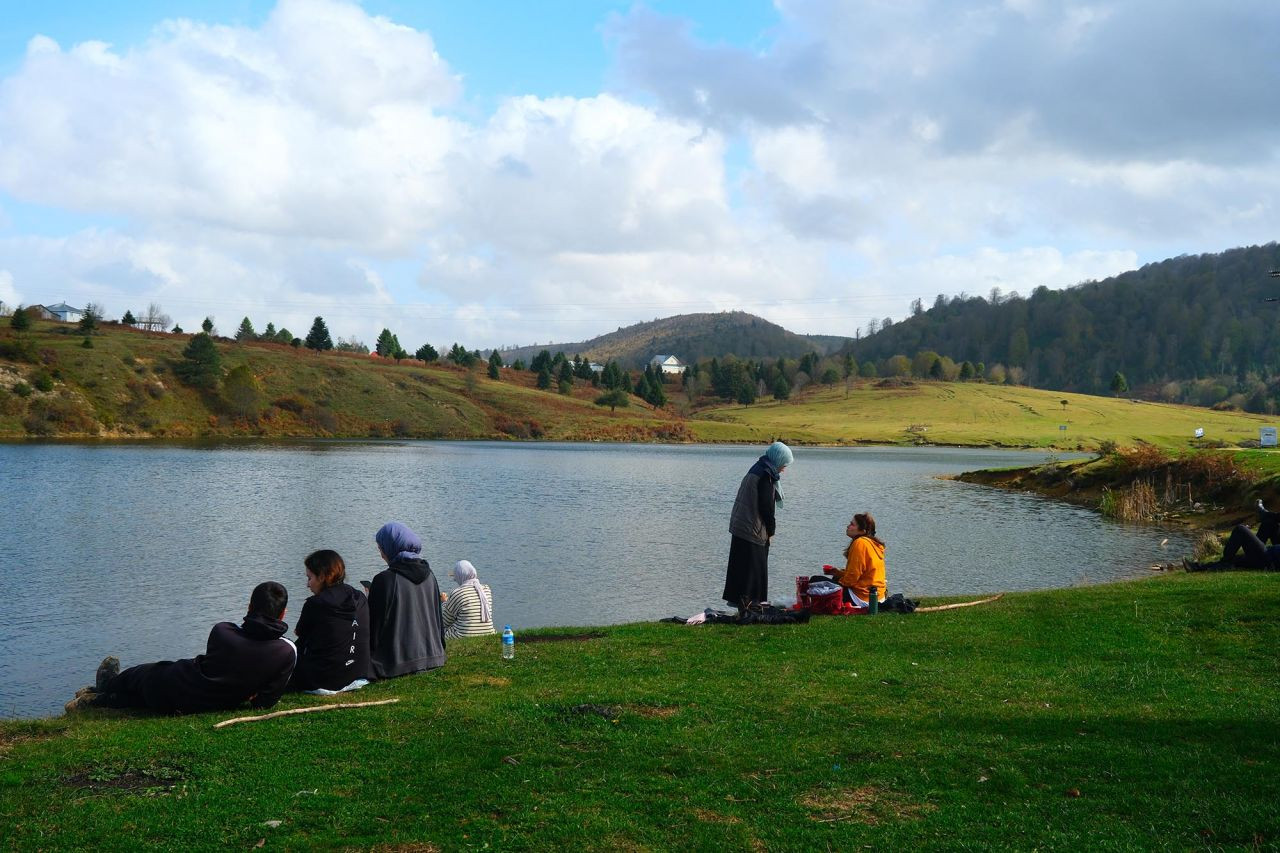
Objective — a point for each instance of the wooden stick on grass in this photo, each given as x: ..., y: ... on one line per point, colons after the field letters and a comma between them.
x: 313, y: 708
x: 937, y: 607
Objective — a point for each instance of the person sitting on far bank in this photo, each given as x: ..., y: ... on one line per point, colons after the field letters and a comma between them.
x: 406, y: 629
x: 1246, y: 549
x: 250, y: 662
x: 468, y: 611
x: 333, y: 630
x: 864, y: 563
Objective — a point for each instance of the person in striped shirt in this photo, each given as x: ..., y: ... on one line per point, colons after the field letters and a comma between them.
x: 468, y: 611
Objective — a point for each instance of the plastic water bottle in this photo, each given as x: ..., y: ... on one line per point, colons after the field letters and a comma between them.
x: 508, y: 643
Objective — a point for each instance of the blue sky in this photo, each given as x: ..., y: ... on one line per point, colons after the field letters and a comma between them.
x: 507, y: 173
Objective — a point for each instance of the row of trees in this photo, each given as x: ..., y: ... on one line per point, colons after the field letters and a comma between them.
x: 1192, y: 329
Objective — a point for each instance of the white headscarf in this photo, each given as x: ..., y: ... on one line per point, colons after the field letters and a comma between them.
x: 464, y: 574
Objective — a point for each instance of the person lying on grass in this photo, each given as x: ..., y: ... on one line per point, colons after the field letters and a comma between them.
x: 1246, y: 549
x: 250, y: 662
x: 864, y: 563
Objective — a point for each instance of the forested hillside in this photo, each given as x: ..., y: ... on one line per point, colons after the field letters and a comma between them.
x: 691, y: 337
x: 1190, y: 329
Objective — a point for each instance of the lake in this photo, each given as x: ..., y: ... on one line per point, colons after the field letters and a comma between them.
x: 136, y: 550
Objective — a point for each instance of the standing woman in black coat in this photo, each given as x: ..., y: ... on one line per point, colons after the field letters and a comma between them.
x: 751, y: 525
x: 333, y: 630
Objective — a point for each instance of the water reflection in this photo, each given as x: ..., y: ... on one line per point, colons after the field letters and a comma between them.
x: 137, y: 550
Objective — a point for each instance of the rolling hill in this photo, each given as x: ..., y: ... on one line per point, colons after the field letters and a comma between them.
x: 690, y: 337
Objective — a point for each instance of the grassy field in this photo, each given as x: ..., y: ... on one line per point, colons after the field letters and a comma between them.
x: 972, y: 414
x: 1136, y: 715
x: 124, y: 386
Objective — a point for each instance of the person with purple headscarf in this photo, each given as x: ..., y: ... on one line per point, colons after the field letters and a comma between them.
x: 406, y: 631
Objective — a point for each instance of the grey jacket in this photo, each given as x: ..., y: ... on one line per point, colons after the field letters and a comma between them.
x: 406, y: 632
x: 753, y: 516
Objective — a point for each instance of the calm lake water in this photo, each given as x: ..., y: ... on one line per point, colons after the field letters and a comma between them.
x: 137, y: 550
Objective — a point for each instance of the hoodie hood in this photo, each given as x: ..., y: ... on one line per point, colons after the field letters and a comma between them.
x: 259, y: 627
x: 340, y: 600
x: 414, y: 570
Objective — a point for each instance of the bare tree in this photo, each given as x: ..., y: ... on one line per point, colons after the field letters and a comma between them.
x: 154, y: 319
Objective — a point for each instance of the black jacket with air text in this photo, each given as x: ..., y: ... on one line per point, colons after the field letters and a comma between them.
x: 333, y: 639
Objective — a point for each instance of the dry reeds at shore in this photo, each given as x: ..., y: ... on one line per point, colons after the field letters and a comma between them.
x: 1136, y: 503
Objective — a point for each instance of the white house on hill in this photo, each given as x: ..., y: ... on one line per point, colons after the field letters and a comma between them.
x: 64, y: 312
x: 667, y: 363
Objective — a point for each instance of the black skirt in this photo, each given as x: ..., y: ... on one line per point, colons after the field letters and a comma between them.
x: 747, y: 577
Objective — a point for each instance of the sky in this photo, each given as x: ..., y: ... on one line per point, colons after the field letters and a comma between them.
x: 512, y: 173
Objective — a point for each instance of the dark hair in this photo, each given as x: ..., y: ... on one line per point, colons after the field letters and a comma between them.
x: 268, y: 599
x: 327, y: 566
x: 868, y: 526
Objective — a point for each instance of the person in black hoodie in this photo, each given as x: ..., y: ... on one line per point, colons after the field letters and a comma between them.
x: 250, y: 662
x: 333, y: 630
x: 406, y: 631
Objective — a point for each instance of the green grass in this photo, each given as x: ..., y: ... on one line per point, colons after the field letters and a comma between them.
x: 1137, y: 715
x: 972, y: 414
x: 124, y: 386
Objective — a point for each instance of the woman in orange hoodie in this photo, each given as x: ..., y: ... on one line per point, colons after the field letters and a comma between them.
x: 864, y: 562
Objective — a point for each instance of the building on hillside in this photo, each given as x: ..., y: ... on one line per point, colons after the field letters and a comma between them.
x: 667, y: 363
x: 596, y: 367
x: 62, y: 311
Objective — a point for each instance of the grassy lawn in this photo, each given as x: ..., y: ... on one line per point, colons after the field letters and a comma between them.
x: 1143, y: 714
x: 973, y: 414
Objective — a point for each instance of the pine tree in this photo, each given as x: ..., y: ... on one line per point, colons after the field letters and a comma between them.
x: 385, y: 345
x: 495, y: 364
x: 426, y: 353
x: 544, y: 379
x: 246, y: 331
x: 207, y: 325
x: 21, y: 320
x: 318, y: 338
x: 128, y: 319
x: 89, y: 319
x: 201, y: 365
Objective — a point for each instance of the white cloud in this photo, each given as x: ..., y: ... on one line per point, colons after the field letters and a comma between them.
x: 316, y: 165
x: 9, y: 294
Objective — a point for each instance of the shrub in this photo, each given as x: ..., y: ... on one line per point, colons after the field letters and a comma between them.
x: 51, y: 416
x: 322, y: 417
x: 18, y: 349
x: 87, y: 343
x: 519, y: 429
x: 10, y: 404
x: 22, y: 389
x: 1207, y: 547
x: 242, y: 391
x: 43, y: 382
x: 291, y: 403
